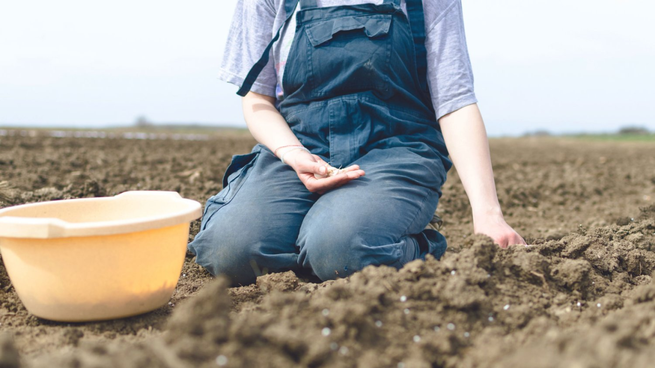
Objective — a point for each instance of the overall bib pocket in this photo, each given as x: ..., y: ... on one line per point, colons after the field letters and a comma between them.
x: 373, y: 26
x: 235, y: 175
x: 364, y: 48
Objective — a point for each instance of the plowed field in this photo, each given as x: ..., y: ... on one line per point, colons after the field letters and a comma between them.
x: 581, y: 295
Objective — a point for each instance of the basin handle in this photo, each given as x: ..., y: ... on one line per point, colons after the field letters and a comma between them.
x: 153, y: 193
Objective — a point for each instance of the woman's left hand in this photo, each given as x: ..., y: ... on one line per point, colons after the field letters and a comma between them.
x: 494, y: 226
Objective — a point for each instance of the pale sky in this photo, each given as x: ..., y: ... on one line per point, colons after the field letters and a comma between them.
x: 563, y: 66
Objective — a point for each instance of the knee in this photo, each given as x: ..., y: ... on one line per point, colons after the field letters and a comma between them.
x: 243, y: 252
x: 339, y: 252
x: 223, y: 252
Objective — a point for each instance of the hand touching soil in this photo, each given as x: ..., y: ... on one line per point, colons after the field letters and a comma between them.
x: 495, y: 227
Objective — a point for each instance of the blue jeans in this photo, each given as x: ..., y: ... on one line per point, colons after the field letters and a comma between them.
x: 266, y: 220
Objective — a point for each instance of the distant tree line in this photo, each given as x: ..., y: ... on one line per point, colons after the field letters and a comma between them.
x: 633, y: 130
x: 143, y: 122
x: 626, y: 130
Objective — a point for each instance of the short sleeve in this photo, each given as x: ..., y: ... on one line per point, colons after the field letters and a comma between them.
x: 450, y: 76
x: 250, y: 33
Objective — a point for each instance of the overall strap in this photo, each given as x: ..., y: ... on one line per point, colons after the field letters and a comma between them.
x: 289, y: 8
x: 417, y: 25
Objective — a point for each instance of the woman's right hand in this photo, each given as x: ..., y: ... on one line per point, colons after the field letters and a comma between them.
x: 307, y: 166
x: 269, y: 128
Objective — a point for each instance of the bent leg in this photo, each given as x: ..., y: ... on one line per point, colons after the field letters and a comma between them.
x: 251, y: 226
x: 378, y: 219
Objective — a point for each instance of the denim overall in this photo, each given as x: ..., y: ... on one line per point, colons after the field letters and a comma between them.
x: 355, y: 93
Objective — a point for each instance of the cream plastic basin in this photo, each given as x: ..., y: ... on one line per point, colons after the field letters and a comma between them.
x: 97, y: 258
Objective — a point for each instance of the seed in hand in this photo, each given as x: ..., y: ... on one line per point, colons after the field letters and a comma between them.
x: 331, y: 171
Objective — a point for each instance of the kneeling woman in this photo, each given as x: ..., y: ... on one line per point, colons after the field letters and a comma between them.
x: 379, y: 88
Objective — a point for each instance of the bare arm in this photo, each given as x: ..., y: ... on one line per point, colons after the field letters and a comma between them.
x: 265, y: 122
x: 269, y: 128
x: 466, y: 139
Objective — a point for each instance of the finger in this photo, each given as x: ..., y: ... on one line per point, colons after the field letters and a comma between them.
x: 350, y: 168
x: 518, y: 240
x: 347, y: 176
x: 504, y: 240
x: 514, y: 239
x: 322, y: 162
x: 324, y: 184
x: 356, y: 174
x: 310, y: 166
x: 315, y: 185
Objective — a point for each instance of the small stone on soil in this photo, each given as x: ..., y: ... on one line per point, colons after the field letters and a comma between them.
x: 221, y: 360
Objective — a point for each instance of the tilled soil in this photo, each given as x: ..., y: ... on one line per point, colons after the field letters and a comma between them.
x: 580, y: 296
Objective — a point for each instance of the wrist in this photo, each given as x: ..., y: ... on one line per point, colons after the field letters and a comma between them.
x: 486, y: 218
x: 280, y: 150
x: 290, y: 152
x: 486, y: 211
